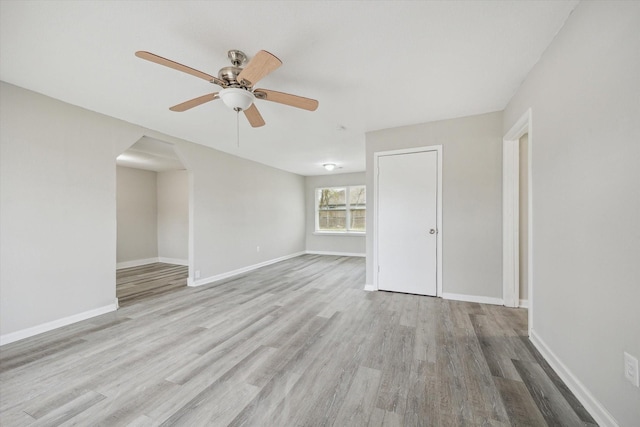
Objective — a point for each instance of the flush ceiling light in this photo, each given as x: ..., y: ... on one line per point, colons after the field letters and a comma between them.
x: 329, y: 166
x: 236, y: 98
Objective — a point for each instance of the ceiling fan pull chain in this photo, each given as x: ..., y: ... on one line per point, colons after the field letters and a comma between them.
x: 238, y: 127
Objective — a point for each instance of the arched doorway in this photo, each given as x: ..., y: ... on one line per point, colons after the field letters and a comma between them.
x: 152, y: 201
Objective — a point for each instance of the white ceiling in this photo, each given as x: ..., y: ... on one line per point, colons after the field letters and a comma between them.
x: 152, y: 155
x: 372, y: 65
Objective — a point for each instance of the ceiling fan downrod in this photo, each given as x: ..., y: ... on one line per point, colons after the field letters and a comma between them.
x: 230, y: 74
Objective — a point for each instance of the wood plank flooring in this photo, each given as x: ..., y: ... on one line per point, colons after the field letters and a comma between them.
x: 138, y: 283
x: 298, y: 343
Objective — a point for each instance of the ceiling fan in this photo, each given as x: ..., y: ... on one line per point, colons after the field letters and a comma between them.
x: 237, y: 84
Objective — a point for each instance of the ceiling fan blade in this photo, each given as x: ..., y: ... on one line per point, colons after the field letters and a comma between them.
x: 287, y: 99
x: 261, y: 65
x: 254, y: 116
x: 195, y: 102
x: 177, y: 66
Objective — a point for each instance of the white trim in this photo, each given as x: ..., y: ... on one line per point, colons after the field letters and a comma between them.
x: 473, y: 298
x: 232, y: 273
x: 136, y: 263
x: 340, y: 233
x: 524, y: 303
x: 45, y: 327
x: 510, y: 223
x: 174, y: 261
x: 439, y: 224
x: 335, y: 253
x: 376, y: 155
x: 510, y: 214
x: 369, y: 288
x: 582, y: 393
x: 192, y: 245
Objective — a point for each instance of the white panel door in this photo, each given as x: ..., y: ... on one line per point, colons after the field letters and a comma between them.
x: 407, y: 222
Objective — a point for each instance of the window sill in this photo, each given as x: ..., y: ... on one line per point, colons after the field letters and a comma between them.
x: 340, y: 233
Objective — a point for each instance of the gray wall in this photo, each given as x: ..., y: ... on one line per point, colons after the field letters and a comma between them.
x: 137, y: 213
x: 348, y: 244
x: 153, y: 215
x: 584, y: 94
x: 471, y: 197
x: 58, y: 208
x: 239, y: 205
x: 173, y: 215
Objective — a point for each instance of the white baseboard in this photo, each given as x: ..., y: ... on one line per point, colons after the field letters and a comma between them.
x: 335, y: 253
x: 45, y: 327
x: 591, y: 404
x: 369, y: 288
x: 473, y: 298
x: 136, y: 263
x: 228, y: 274
x: 175, y: 261
x: 524, y: 303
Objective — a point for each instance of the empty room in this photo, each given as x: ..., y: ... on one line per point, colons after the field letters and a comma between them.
x: 345, y: 213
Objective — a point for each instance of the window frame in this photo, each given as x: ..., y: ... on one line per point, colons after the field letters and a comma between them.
x: 347, y: 231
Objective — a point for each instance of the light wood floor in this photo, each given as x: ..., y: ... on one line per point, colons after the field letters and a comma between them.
x: 292, y: 344
x: 138, y: 283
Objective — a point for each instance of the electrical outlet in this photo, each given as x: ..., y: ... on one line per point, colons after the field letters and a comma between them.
x: 197, y: 274
x: 631, y: 369
x: 257, y: 248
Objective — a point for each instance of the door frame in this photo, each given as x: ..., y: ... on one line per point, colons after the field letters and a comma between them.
x: 376, y: 155
x: 511, y: 213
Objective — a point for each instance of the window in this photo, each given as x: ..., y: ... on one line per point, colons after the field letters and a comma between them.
x: 341, y: 209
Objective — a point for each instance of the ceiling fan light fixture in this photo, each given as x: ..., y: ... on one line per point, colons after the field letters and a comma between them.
x: 237, y: 99
x: 329, y: 166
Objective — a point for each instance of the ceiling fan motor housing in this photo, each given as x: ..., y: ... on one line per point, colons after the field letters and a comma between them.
x: 230, y: 74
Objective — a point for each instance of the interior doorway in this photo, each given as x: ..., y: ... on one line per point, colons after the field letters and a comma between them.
x: 523, y: 225
x: 518, y: 216
x: 152, y: 203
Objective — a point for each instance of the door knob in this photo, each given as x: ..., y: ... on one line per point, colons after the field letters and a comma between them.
x: 432, y: 231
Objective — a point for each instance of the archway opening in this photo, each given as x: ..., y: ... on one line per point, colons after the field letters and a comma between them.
x: 152, y: 205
